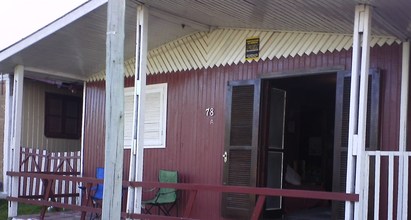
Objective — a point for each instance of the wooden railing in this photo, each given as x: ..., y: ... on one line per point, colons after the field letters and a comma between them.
x: 262, y: 193
x: 42, y: 161
x: 394, y: 166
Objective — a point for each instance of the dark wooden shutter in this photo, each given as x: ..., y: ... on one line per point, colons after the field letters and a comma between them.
x: 342, y: 111
x: 240, y: 157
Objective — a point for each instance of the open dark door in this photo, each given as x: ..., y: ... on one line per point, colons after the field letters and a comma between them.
x: 274, y: 146
x: 241, y: 146
x: 342, y: 109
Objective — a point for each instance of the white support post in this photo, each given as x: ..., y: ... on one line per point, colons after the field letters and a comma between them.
x: 404, y: 95
x: 403, y: 129
x: 83, y: 113
x: 16, y: 135
x: 7, y: 132
x: 358, y: 110
x: 114, y: 139
x: 137, y: 150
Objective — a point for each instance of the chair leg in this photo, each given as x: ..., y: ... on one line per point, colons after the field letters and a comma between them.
x: 166, y: 209
x: 94, y: 216
x: 147, y: 209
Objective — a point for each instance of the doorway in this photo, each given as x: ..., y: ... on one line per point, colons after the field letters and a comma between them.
x: 307, y: 139
x: 291, y: 132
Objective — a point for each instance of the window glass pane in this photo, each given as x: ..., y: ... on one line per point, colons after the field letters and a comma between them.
x: 72, y: 108
x: 71, y: 126
x: 55, y: 106
x: 54, y: 124
x: 62, y: 116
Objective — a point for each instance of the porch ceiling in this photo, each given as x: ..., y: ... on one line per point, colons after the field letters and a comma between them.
x: 76, y: 48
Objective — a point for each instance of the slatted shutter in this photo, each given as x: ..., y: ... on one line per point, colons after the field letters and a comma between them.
x: 342, y: 111
x: 155, y: 115
x: 240, y: 155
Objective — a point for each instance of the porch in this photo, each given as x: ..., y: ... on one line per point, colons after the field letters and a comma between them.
x: 188, y: 196
x: 386, y: 198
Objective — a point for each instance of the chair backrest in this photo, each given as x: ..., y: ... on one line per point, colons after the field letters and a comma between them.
x: 167, y: 195
x: 100, y: 172
x: 99, y: 190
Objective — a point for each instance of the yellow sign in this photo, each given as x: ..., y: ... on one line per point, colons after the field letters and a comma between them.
x: 252, y: 48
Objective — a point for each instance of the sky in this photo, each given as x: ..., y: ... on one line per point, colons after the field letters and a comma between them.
x: 20, y: 18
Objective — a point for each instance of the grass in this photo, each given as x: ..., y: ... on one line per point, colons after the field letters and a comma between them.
x: 24, y: 209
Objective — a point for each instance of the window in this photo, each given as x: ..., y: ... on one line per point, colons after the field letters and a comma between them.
x: 155, y: 116
x: 62, y: 116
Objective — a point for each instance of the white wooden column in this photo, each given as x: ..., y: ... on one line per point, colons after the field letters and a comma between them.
x: 16, y: 135
x: 358, y: 110
x: 404, y: 95
x: 7, y: 132
x: 137, y: 149
x: 83, y: 119
x: 402, y: 205
x: 114, y: 139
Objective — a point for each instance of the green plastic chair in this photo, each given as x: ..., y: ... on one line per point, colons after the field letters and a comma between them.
x: 166, y: 198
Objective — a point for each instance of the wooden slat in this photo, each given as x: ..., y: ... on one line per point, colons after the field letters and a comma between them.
x: 35, y: 160
x: 226, y: 46
x: 390, y: 186
x: 366, y: 182
x: 377, y: 185
x: 384, y: 164
x: 405, y: 190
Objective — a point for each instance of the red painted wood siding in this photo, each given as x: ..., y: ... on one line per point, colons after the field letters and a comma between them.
x: 194, y: 146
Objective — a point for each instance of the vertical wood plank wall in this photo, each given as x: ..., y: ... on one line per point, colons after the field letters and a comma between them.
x: 194, y: 146
x: 33, y: 118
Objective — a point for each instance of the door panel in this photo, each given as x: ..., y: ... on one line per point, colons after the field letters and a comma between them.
x: 240, y: 152
x: 275, y: 146
x: 341, y: 129
x: 274, y: 178
x: 277, y: 115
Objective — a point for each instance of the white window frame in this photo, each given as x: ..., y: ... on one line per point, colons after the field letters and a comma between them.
x: 128, y: 115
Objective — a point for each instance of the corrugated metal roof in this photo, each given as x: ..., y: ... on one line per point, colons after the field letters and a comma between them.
x: 335, y: 16
x: 226, y: 46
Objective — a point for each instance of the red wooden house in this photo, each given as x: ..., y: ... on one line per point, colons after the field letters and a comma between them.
x: 245, y: 93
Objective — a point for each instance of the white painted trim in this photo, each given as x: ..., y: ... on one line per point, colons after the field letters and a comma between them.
x: 390, y: 186
x: 52, y: 27
x: 389, y: 169
x: 16, y: 135
x: 54, y: 73
x: 377, y: 187
x: 160, y: 88
x: 128, y: 92
x: 403, y: 128
x: 404, y: 94
x: 7, y: 129
x: 137, y: 151
x: 404, y: 213
x: 358, y: 111
x: 349, y: 208
x: 83, y: 128
x: 360, y: 209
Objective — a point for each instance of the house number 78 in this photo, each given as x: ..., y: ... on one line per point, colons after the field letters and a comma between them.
x: 209, y: 112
